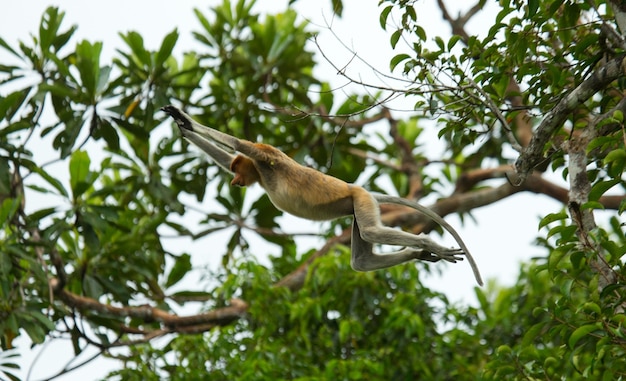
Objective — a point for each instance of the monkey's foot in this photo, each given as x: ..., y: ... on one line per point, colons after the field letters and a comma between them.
x: 182, y: 120
x: 449, y: 255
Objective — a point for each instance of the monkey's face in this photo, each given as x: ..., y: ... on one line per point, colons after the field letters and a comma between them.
x: 245, y: 172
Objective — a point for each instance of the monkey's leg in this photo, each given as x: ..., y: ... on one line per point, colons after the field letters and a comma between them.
x: 187, y: 125
x: 206, y: 137
x: 221, y: 157
x: 364, y: 259
x: 438, y: 219
x: 367, y: 215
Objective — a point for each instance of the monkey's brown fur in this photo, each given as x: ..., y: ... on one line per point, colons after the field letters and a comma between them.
x: 310, y: 194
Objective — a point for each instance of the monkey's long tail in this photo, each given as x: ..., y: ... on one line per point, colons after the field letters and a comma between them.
x: 383, y: 198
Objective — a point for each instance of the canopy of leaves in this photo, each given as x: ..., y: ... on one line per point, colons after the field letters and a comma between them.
x: 86, y: 250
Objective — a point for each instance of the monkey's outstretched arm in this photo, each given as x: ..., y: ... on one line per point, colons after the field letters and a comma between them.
x: 382, y: 198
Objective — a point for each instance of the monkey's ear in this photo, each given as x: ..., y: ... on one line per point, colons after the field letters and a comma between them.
x: 236, y: 162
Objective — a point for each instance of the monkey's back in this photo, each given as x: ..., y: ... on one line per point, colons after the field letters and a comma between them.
x: 308, y: 193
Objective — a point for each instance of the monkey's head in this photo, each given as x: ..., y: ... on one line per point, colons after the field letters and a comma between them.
x: 245, y: 172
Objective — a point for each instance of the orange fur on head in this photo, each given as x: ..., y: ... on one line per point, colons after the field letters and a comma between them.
x: 245, y: 172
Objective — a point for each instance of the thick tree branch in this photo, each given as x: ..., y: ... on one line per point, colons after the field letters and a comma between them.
x: 295, y: 280
x: 207, y: 320
x: 619, y: 8
x: 469, y: 200
x: 458, y: 24
x: 580, y: 187
x: 602, y: 77
x: 409, y: 165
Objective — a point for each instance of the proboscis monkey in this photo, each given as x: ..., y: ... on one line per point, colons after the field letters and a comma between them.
x: 310, y: 194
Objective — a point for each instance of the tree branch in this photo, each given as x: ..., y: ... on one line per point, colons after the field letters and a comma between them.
x: 295, y: 280
x: 458, y: 24
x: 218, y: 317
x: 409, y: 165
x: 338, y: 120
x: 603, y: 76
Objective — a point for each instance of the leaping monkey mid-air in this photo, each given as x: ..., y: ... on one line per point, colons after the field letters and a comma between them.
x: 308, y: 193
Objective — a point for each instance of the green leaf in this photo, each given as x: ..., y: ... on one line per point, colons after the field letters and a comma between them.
x: 578, y: 260
x: 165, y: 51
x: 531, y: 334
x: 337, y: 7
x: 440, y: 43
x: 42, y: 319
x: 79, y: 172
x: 279, y: 44
x: 395, y: 37
x: 433, y: 105
x: 326, y: 97
x: 581, y: 332
x: 593, y: 205
x: 62, y: 39
x: 395, y: 61
x: 344, y: 330
x: 11, y: 376
x: 591, y: 307
x: 42, y: 213
x: 46, y: 176
x: 9, y: 48
x: 34, y: 331
x: 88, y: 64
x: 180, y: 269
x: 8, y: 208
x: 5, y: 177
x: 57, y: 90
x: 554, y: 259
x: 552, y: 217
x: 483, y: 302
x: 91, y: 286
x: 103, y: 79
x: 384, y: 15
x: 601, y: 142
x: 183, y: 296
x: 453, y: 41
x: 420, y: 32
x: 618, y: 115
x: 49, y: 27
x: 135, y: 42
x: 615, y: 155
x: 616, y: 161
x: 12, y: 102
x: 533, y: 6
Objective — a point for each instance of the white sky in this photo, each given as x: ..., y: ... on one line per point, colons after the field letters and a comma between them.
x: 499, y: 239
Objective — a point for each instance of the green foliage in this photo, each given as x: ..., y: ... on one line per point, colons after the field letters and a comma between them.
x: 341, y: 325
x: 102, y: 232
x: 100, y: 235
x: 574, y: 310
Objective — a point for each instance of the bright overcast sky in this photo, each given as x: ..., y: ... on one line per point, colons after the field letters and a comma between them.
x: 500, y: 238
